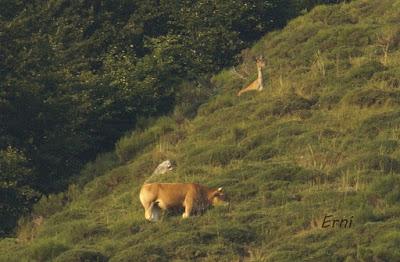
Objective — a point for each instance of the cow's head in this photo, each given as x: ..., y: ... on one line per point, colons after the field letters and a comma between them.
x: 219, y: 198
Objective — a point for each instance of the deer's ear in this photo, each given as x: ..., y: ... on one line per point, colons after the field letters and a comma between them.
x: 219, y: 189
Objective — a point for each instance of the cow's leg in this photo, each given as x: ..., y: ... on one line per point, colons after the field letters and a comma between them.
x: 188, y: 206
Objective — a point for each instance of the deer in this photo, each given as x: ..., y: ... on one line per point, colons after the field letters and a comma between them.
x: 258, y: 83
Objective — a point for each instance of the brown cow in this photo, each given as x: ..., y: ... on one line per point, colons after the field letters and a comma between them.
x: 194, y: 198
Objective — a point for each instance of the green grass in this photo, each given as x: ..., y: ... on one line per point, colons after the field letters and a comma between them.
x: 322, y: 138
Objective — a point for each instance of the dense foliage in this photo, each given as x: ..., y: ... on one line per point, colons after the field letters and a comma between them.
x: 75, y: 75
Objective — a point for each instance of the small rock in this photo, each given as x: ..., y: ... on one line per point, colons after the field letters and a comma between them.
x: 163, y: 168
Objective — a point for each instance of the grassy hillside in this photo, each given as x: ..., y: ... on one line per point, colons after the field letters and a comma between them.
x: 321, y: 139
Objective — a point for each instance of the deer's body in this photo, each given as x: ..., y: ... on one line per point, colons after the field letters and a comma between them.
x: 258, y: 83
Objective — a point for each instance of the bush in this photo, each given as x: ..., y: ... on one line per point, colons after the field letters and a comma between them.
x: 81, y: 255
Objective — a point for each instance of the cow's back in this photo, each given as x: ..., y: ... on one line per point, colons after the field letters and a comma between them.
x: 167, y: 194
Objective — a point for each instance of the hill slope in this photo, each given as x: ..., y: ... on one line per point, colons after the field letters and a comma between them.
x: 321, y: 139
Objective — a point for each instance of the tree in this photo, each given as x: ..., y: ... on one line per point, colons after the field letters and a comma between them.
x: 16, y: 194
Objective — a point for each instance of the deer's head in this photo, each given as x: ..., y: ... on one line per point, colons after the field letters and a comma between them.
x: 260, y: 61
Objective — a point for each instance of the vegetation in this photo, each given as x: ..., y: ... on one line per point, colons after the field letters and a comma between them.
x: 76, y: 75
x: 321, y: 139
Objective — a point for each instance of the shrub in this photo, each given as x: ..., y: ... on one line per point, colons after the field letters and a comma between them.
x: 81, y: 255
